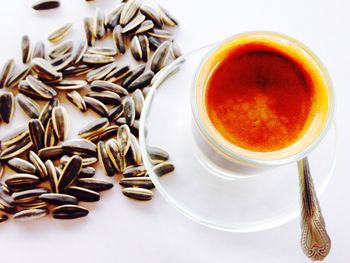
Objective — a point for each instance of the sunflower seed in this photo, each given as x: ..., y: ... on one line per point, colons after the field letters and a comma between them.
x: 86, y: 161
x: 129, y: 110
x: 53, y: 152
x: 163, y: 168
x: 167, y: 72
x: 112, y: 19
x: 96, y: 106
x: 76, y: 70
x: 133, y: 24
x: 99, y: 23
x: 16, y: 149
x: 142, y: 182
x: 105, y: 134
x: 58, y: 199
x: 52, y: 176
x: 135, y: 171
x: 97, y: 59
x: 101, y: 85
x: 26, y: 49
x: 129, y: 10
x: 160, y: 34
x: 16, y: 78
x: 138, y: 193
x: 134, y: 151
x: 157, y: 155
x: 160, y: 56
x: 135, y: 73
x: 94, y: 184
x: 77, y: 100
x: 3, y: 218
x: 115, y: 113
x: 135, y: 47
x: 79, y: 51
x: 103, y: 51
x: 29, y: 106
x: 83, y: 194
x: 79, y: 147
x: 138, y: 99
x: 20, y: 180
x: 50, y: 137
x: 118, y: 73
x: 14, y: 135
x: 119, y: 39
x: 46, y: 112
x: 107, y: 97
x: 25, y: 89
x: 7, y: 204
x: 141, y: 82
x: 152, y: 14
x: 6, y: 72
x: 115, y: 154
x: 167, y: 18
x: 42, y: 89
x: 36, y: 133
x: 36, y: 204
x: 101, y: 72
x: 175, y: 50
x: 39, y: 165
x: 61, y: 49
x: 60, y: 122
x: 146, y: 25
x: 71, y: 84
x: 154, y: 42
x: 86, y: 172
x: 70, y: 172
x: 123, y: 137
x: 60, y: 33
x: 104, y: 160
x: 44, y: 69
x: 21, y: 166
x: 7, y: 106
x: 57, y: 62
x: 69, y: 212
x: 39, y: 50
x: 93, y: 127
x: 46, y: 4
x: 30, y: 214
x: 2, y: 169
x: 144, y: 43
x: 66, y: 62
x: 27, y: 196
x: 89, y: 30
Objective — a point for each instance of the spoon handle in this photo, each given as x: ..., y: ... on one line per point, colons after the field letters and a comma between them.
x: 315, y: 241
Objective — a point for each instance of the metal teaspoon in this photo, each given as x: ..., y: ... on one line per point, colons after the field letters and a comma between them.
x: 315, y: 241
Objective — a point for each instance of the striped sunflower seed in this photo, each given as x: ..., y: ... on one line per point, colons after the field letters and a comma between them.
x: 101, y: 85
x: 60, y: 33
x: 14, y: 135
x: 6, y: 72
x: 101, y: 72
x: 39, y: 50
x: 157, y: 155
x: 135, y: 72
x: 46, y: 112
x: 115, y: 154
x: 144, y: 43
x: 36, y: 133
x: 133, y: 24
x: 99, y: 23
x: 106, y: 97
x: 93, y: 128
x: 129, y: 10
x: 105, y: 134
x: 138, y: 193
x: 77, y: 100
x: 152, y: 14
x: 71, y: 84
x: 112, y: 19
x: 28, y: 196
x: 119, y: 39
x: 94, y: 184
x: 135, y: 151
x: 142, y: 81
x: 69, y: 212
x: 60, y: 122
x: 86, y: 161
x: 29, y: 106
x: 83, y: 194
x: 70, y: 172
x: 87, y: 172
x: 40, y: 167
x: 104, y: 160
x: 89, y: 30
x: 138, y: 99
x: 7, y: 106
x: 21, y: 166
x: 30, y: 214
x: 135, y: 47
x: 58, y: 199
x: 116, y: 112
x: 79, y: 51
x: 79, y: 147
x: 50, y: 137
x: 97, y: 106
x: 44, y: 69
x: 142, y: 182
x: 53, y: 152
x: 97, y: 59
x: 135, y: 171
x: 123, y: 137
x: 61, y: 49
x: 129, y: 110
x: 45, y: 4
x: 160, y: 56
x: 52, y: 176
x: 20, y: 180
x: 17, y: 148
x: 167, y: 18
x: 14, y: 79
x: 41, y: 88
x: 146, y: 25
x: 26, y: 49
x: 163, y: 168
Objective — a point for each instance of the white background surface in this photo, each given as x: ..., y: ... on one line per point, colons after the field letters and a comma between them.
x: 121, y: 230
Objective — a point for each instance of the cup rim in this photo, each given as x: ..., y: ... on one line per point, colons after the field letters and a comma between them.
x: 256, y: 162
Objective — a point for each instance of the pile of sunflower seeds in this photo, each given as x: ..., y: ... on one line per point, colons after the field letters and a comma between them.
x: 54, y: 174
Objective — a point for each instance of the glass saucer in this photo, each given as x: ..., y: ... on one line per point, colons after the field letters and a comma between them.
x: 241, y: 202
